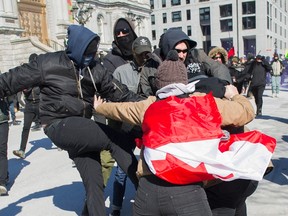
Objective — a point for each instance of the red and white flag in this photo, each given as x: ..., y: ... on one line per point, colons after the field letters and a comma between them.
x: 182, y: 139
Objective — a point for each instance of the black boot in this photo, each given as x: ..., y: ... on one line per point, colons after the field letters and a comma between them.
x: 259, y: 112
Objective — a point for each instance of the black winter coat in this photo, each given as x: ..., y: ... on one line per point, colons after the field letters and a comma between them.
x: 66, y: 90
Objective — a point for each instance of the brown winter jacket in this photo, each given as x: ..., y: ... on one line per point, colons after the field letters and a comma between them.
x: 237, y: 112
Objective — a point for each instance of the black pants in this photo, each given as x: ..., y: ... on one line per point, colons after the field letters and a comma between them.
x: 31, y: 113
x: 257, y: 92
x: 228, y: 198
x: 4, y: 131
x: 156, y: 197
x: 84, y: 139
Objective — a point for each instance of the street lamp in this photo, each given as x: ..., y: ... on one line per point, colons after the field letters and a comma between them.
x: 81, y: 13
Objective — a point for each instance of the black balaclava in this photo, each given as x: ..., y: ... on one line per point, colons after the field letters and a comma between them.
x: 124, y: 43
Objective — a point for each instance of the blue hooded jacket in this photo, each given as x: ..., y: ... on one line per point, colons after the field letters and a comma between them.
x: 76, y: 45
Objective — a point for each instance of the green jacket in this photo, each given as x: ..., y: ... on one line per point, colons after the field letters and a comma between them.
x: 4, y: 111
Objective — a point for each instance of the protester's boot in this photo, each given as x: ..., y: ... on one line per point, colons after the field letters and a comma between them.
x: 19, y: 153
x: 37, y: 127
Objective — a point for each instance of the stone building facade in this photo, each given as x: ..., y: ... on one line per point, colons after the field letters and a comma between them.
x: 40, y: 26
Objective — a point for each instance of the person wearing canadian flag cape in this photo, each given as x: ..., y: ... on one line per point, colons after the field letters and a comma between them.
x: 184, y: 145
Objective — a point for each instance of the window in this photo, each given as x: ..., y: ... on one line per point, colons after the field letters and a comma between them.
x: 153, y: 35
x: 163, y: 3
x: 175, y: 2
x: 189, y: 30
x: 187, y: 1
x: 226, y: 10
x: 275, y: 13
x: 153, y: 19
x: 204, y: 14
x: 152, y: 4
x: 176, y: 16
x: 249, y: 22
x: 164, y: 17
x: 226, y: 25
x: 249, y: 46
x: 248, y: 7
x: 275, y: 28
x: 188, y: 14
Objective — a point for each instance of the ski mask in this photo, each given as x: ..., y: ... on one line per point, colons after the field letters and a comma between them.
x: 89, y: 53
x: 124, y: 43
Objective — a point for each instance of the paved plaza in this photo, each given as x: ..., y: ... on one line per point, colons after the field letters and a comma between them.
x: 45, y: 183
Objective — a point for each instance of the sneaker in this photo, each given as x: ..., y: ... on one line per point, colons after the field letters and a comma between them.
x: 36, y: 128
x: 19, y: 153
x: 16, y: 122
x: 115, y: 213
x: 3, y: 190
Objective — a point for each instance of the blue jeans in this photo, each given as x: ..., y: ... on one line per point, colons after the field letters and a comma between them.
x: 12, y: 110
x: 119, y: 187
x: 276, y: 84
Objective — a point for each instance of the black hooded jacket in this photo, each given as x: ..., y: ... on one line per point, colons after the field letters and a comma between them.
x: 119, y: 54
x: 65, y: 90
x: 198, y: 64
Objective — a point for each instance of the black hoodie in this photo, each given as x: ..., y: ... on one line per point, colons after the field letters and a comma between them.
x: 121, y: 52
x: 65, y: 92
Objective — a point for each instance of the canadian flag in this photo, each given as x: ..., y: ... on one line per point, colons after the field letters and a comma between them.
x: 182, y: 139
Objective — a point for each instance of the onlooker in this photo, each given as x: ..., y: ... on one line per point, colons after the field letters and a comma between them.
x: 256, y: 69
x: 12, y: 101
x: 219, y: 54
x: 4, y: 131
x: 120, y: 54
x: 237, y: 75
x: 31, y: 113
x: 68, y: 81
x: 276, y: 73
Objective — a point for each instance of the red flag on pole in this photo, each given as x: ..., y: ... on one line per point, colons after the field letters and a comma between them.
x: 231, y: 52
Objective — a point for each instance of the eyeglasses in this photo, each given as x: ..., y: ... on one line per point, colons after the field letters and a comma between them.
x: 183, y: 51
x: 217, y: 57
x: 124, y: 31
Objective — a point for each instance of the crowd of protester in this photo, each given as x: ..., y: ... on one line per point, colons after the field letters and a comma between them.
x: 64, y: 90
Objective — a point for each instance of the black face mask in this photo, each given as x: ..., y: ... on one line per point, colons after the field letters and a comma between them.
x: 125, y: 44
